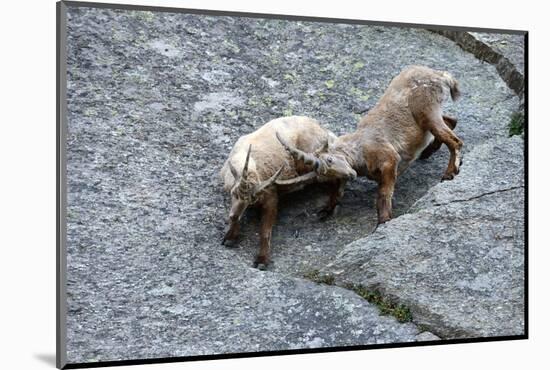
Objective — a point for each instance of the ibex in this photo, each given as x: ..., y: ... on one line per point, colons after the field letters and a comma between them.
x: 259, y: 168
x: 406, y: 123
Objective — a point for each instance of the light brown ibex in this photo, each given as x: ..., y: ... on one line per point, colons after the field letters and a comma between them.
x: 405, y: 124
x: 259, y: 169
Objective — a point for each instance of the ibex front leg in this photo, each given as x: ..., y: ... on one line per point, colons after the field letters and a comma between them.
x: 269, y: 215
x: 237, y: 209
x: 335, y: 196
x: 230, y: 238
x: 386, y: 185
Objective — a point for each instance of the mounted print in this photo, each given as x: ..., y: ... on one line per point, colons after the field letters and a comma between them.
x: 234, y: 184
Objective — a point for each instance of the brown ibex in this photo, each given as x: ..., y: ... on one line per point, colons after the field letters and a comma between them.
x: 406, y: 123
x: 265, y: 172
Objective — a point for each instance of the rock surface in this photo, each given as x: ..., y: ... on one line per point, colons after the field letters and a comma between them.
x: 512, y: 46
x: 457, y: 259
x: 186, y: 304
x: 426, y: 336
x: 155, y: 102
x: 492, y: 167
x: 504, y: 51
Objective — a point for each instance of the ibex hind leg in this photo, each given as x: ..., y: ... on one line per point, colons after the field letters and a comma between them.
x: 450, y: 121
x: 436, y: 144
x: 443, y: 133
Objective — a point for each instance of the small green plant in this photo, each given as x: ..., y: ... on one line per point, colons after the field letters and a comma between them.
x: 387, y: 307
x: 359, y: 93
x: 422, y: 327
x: 317, y: 277
x: 358, y: 65
x: 289, y: 77
x: 267, y: 100
x: 287, y: 112
x: 516, y: 124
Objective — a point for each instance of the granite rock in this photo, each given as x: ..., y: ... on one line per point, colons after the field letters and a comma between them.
x: 457, y: 259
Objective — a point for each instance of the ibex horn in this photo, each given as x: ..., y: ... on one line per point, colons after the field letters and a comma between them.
x: 233, y: 170
x: 245, y: 169
x: 309, y: 159
x: 269, y: 181
x: 308, y: 178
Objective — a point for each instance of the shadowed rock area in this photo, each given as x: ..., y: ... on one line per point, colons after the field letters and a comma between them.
x: 155, y: 102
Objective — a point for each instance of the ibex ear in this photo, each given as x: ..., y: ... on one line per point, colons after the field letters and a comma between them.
x: 323, y: 148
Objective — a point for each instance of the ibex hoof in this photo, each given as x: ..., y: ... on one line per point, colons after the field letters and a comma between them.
x: 323, y: 215
x: 261, y: 263
x: 229, y: 243
x: 326, y: 213
x: 447, y: 176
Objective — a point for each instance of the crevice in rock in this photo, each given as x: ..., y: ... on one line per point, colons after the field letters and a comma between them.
x: 387, y: 305
x: 479, y: 196
x: 414, y: 313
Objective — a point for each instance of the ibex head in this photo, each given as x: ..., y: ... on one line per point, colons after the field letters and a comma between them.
x: 246, y: 190
x: 327, y: 164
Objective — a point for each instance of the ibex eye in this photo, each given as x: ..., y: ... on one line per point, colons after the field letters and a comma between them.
x: 329, y: 160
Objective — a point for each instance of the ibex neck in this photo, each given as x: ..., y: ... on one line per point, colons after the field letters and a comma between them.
x: 350, y: 147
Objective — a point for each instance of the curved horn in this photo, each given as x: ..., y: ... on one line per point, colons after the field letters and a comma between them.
x: 245, y: 169
x: 268, y: 182
x: 233, y: 170
x: 308, y: 178
x: 297, y: 154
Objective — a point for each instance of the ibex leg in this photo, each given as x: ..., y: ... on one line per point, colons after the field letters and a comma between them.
x: 335, y: 196
x: 386, y: 185
x: 436, y: 144
x: 269, y: 216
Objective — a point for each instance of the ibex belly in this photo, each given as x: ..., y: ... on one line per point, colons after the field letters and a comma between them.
x: 407, y: 159
x: 427, y: 140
